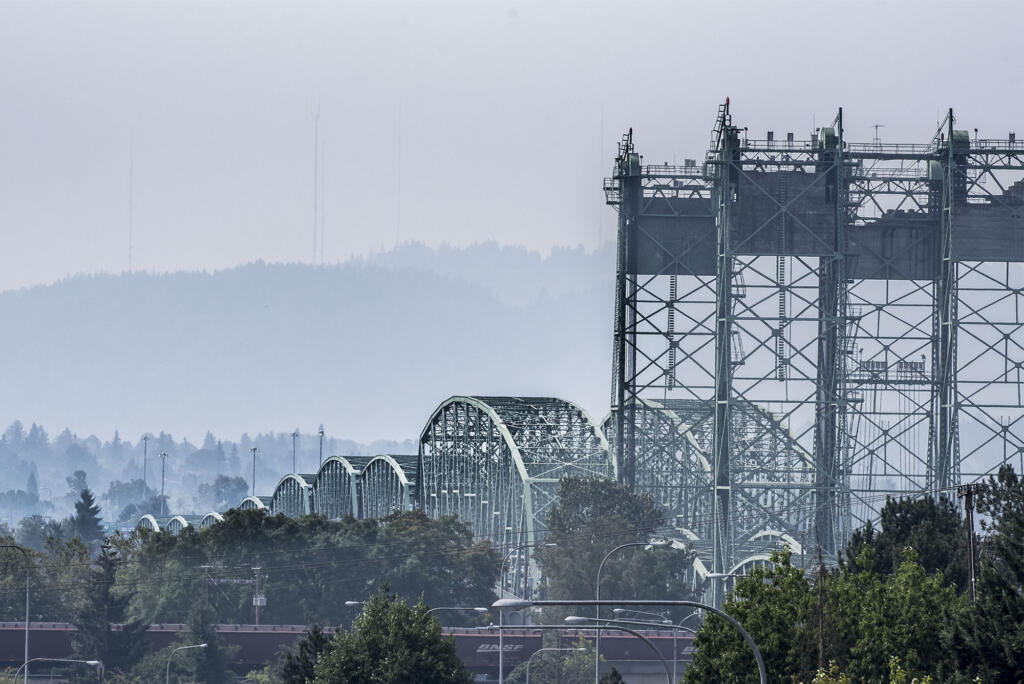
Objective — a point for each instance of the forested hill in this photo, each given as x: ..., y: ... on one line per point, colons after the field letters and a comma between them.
x: 368, y: 348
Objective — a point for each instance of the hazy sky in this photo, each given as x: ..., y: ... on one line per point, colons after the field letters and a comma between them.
x: 495, y: 120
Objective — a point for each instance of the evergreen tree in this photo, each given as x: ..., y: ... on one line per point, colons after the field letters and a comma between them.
x: 76, y: 481
x: 86, y: 521
x: 988, y: 636
x: 298, y: 663
x: 211, y: 663
x: 100, y: 608
x: 933, y: 528
x: 32, y: 487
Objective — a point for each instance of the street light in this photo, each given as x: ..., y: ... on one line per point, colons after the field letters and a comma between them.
x: 577, y: 620
x: 501, y: 590
x: 529, y: 661
x: 180, y: 648
x: 295, y: 436
x: 653, y: 543
x: 253, y: 450
x: 352, y: 604
x: 461, y: 608
x: 321, y: 433
x: 662, y: 622
x: 762, y: 673
x: 28, y: 567
x: 501, y: 573
x: 163, y: 467
x: 91, y: 663
x: 623, y: 611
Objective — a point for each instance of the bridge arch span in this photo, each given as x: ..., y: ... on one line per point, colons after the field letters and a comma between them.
x: 495, y: 463
x: 336, y: 487
x: 293, y: 496
x: 388, y: 484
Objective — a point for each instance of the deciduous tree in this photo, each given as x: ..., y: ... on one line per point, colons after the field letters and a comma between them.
x: 391, y: 643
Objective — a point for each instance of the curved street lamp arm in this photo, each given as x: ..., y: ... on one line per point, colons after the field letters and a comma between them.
x: 167, y: 679
x: 657, y: 602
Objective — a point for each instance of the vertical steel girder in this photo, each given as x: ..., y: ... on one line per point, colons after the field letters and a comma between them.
x: 831, y: 400
x: 942, y: 461
x: 721, y: 456
x: 624, y: 393
x: 884, y: 337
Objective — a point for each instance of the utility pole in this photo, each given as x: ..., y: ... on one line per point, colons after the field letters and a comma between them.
x: 321, y: 433
x: 967, y: 492
x: 163, y: 469
x: 253, y: 450
x: 258, y: 598
x: 821, y: 611
x: 294, y: 436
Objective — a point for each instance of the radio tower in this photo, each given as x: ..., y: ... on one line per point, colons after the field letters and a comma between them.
x: 131, y: 200
x: 316, y: 166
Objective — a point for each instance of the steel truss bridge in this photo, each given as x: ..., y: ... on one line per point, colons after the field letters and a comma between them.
x: 802, y: 328
x: 862, y: 302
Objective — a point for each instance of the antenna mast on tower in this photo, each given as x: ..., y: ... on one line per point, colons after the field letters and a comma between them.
x: 131, y: 200
x: 316, y: 167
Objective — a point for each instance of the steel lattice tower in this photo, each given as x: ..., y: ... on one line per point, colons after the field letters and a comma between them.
x: 865, y: 299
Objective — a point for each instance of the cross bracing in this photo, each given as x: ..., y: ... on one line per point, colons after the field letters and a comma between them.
x: 868, y: 296
x: 495, y: 462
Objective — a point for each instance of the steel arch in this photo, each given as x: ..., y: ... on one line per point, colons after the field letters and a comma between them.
x: 254, y: 503
x: 211, y: 519
x: 388, y: 484
x: 148, y: 522
x: 336, y: 488
x: 293, y: 496
x: 495, y: 463
x: 177, y: 523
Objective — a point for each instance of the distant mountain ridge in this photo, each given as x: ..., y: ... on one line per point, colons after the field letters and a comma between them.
x: 368, y: 347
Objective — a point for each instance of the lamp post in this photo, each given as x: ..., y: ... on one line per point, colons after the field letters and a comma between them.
x: 253, y: 450
x: 599, y: 625
x: 529, y: 660
x: 459, y: 608
x: 718, y: 579
x: 622, y: 611
x: 321, y: 433
x: 28, y: 566
x: 762, y: 673
x: 91, y: 663
x: 295, y: 436
x: 167, y: 679
x: 163, y: 468
x: 654, y: 543
x: 145, y: 463
x: 662, y: 622
x: 501, y: 590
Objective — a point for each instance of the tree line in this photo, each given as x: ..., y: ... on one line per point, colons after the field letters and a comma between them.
x: 896, y: 609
